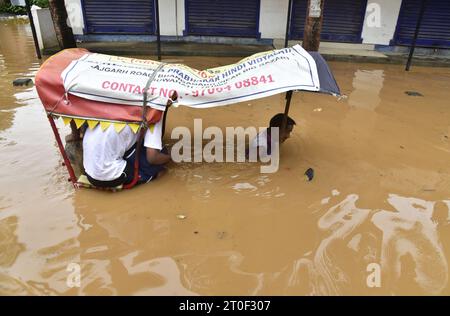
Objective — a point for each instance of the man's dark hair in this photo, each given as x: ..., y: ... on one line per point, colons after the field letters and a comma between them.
x: 277, y: 120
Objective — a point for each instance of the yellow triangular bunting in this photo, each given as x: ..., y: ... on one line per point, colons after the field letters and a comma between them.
x: 79, y: 122
x: 134, y: 127
x: 66, y: 120
x: 104, y: 125
x: 119, y: 127
x: 151, y: 127
x: 92, y: 124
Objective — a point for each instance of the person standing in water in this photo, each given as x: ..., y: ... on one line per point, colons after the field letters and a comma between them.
x: 108, y: 156
x: 262, y: 143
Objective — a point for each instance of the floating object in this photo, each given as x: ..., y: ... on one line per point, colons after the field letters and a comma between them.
x: 22, y: 82
x: 221, y: 235
x: 309, y: 174
x: 414, y: 94
x: 181, y: 216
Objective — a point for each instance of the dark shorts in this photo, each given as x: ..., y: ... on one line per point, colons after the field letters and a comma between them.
x: 123, y: 179
x: 147, y: 171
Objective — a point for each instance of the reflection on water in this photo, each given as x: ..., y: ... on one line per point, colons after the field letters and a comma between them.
x: 17, y: 60
x: 367, y: 85
x: 10, y: 248
x: 407, y: 246
x: 410, y: 234
x: 380, y: 195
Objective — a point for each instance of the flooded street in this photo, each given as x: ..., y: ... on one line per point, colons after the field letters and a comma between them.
x: 380, y: 195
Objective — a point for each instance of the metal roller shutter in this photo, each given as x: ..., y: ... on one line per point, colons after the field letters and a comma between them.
x: 222, y: 17
x: 342, y: 20
x: 435, y: 27
x: 119, y: 16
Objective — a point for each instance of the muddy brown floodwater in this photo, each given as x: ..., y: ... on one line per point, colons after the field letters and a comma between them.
x: 380, y: 196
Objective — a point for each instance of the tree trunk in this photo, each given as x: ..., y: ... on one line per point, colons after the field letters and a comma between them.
x: 313, y: 26
x: 63, y: 31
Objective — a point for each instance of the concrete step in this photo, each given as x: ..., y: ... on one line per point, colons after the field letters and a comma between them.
x: 174, y: 49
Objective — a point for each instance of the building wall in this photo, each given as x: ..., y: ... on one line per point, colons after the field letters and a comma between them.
x: 167, y: 17
x: 45, y: 31
x: 17, y: 2
x: 272, y: 19
x: 171, y: 15
x: 75, y: 16
x: 380, y: 21
x: 181, y: 21
x: 272, y: 22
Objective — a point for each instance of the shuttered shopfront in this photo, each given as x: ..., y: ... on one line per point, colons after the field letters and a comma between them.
x: 119, y: 16
x: 342, y: 20
x: 222, y: 17
x: 435, y: 27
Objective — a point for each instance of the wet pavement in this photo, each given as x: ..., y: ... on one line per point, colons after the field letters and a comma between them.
x: 380, y: 195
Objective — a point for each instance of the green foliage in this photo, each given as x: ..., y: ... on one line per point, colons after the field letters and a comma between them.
x: 9, y: 8
x: 41, y: 3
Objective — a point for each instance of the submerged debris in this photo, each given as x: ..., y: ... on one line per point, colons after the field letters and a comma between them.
x: 309, y: 174
x: 221, y: 235
x: 22, y: 82
x: 414, y: 94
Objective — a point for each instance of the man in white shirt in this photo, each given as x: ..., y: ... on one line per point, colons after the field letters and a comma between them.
x: 108, y: 156
x: 263, y: 139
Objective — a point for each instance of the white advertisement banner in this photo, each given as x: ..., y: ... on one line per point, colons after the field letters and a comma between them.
x: 122, y: 80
